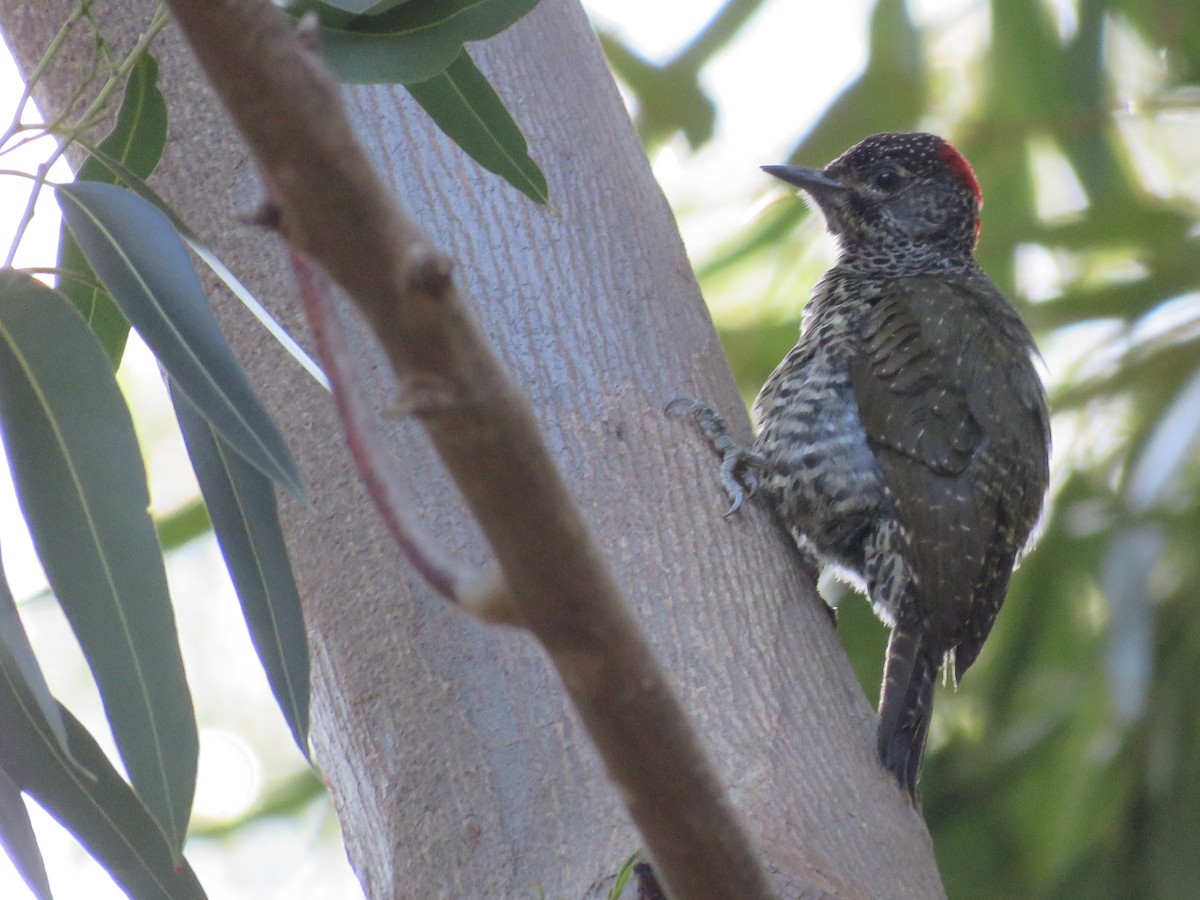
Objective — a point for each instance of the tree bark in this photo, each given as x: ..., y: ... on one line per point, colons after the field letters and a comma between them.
x: 457, y: 767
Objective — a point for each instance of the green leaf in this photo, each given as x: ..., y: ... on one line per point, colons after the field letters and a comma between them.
x: 241, y: 503
x: 182, y: 525
x: 372, y: 9
x: 466, y: 108
x: 90, y: 800
x: 15, y: 643
x: 145, y: 266
x: 359, y: 7
x: 137, y: 142
x: 623, y: 875
x: 18, y: 840
x: 420, y: 44
x: 410, y: 42
x: 210, y: 259
x: 82, y: 488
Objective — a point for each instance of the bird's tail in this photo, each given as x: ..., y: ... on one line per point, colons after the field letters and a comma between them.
x: 905, y: 705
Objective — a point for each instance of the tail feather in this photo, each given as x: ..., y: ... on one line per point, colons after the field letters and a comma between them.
x: 905, y: 705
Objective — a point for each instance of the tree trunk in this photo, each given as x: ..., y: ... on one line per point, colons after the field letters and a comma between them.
x: 457, y: 767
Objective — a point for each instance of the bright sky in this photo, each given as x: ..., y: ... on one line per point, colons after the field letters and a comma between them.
x: 770, y: 85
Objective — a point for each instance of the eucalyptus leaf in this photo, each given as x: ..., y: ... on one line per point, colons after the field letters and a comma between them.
x: 134, y: 248
x: 137, y: 142
x: 14, y: 642
x: 82, y: 487
x: 420, y: 44
x: 18, y: 839
x: 245, y: 519
x: 373, y: 9
x: 214, y: 263
x: 92, y: 801
x: 466, y: 108
x: 408, y: 42
x: 354, y: 7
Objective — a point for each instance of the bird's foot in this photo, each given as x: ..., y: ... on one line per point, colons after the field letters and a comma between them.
x: 740, y: 465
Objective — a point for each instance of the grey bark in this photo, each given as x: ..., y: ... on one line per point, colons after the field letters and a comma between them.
x: 456, y: 766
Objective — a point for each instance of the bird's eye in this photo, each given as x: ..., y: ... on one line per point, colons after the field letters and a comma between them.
x: 886, y: 179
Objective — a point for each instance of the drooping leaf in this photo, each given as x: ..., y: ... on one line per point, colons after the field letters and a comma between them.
x: 420, y: 44
x: 18, y: 839
x: 143, y: 263
x: 91, y: 800
x: 245, y: 519
x: 239, y: 290
x: 408, y: 42
x: 137, y: 141
x: 466, y: 108
x: 82, y: 488
x: 214, y: 263
x: 15, y: 643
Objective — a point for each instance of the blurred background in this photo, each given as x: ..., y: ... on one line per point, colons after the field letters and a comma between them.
x: 1068, y: 763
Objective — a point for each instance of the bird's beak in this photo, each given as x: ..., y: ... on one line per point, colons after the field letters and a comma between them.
x: 814, y: 181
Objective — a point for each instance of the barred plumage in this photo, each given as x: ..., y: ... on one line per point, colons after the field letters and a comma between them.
x: 905, y: 438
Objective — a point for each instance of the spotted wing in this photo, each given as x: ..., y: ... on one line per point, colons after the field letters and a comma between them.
x: 955, y: 414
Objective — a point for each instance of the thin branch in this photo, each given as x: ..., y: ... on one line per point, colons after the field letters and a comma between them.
x: 334, y: 208
x: 157, y: 23
x: 483, y: 594
x: 39, y: 70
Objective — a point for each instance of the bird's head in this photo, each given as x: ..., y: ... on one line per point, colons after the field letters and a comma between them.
x: 898, y: 202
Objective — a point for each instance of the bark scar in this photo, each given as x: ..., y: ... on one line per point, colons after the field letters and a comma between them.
x: 428, y: 271
x: 424, y: 394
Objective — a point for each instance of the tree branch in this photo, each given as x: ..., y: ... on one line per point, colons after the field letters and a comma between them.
x: 483, y: 594
x: 335, y: 210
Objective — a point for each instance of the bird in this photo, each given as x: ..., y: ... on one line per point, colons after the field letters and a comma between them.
x: 905, y: 438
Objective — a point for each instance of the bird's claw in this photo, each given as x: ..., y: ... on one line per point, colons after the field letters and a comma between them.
x: 739, y: 480
x: 739, y: 464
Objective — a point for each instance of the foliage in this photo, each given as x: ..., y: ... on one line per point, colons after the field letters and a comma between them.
x: 421, y: 45
x: 1068, y: 764
x: 82, y: 485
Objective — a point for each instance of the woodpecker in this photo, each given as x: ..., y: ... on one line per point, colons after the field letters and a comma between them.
x: 905, y: 439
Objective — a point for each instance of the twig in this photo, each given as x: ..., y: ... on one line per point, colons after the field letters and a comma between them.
x: 98, y: 103
x: 483, y: 594
x: 40, y: 69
